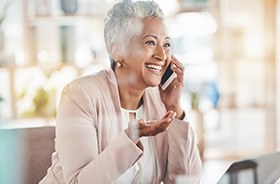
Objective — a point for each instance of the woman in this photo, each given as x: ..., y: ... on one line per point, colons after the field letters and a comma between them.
x: 118, y: 126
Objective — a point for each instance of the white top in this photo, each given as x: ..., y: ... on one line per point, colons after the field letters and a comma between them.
x: 143, y: 171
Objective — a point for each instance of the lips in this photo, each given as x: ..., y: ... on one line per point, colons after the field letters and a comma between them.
x: 154, y: 68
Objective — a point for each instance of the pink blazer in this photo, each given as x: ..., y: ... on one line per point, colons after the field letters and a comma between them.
x: 92, y: 147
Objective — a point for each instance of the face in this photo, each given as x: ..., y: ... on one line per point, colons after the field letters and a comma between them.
x: 147, y: 55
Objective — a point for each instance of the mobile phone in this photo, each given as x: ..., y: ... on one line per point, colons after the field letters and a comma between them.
x: 167, y: 77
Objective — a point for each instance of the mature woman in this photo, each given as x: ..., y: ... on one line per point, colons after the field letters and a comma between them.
x: 118, y: 126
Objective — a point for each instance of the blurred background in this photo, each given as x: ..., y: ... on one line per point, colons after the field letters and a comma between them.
x: 229, y: 49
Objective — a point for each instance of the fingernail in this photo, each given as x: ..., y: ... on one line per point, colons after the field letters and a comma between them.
x: 147, y: 124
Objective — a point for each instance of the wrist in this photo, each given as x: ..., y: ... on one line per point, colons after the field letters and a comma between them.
x: 180, y: 113
x: 181, y: 116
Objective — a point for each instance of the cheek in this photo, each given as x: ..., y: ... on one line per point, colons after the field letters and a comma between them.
x: 168, y: 53
x: 139, y: 53
x: 142, y: 54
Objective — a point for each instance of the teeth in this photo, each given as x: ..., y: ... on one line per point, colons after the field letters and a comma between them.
x: 154, y: 67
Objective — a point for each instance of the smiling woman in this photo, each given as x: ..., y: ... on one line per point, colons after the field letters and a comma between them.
x: 118, y: 126
x: 146, y: 57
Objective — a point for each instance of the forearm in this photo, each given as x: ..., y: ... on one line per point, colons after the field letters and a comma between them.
x: 183, y: 155
x: 85, y: 166
x: 120, y: 155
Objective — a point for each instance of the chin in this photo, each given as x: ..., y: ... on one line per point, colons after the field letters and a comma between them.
x: 154, y: 84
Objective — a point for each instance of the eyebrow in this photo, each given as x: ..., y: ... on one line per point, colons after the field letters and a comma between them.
x: 166, y: 38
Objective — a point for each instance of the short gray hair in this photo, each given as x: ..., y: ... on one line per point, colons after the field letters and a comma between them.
x: 121, y: 21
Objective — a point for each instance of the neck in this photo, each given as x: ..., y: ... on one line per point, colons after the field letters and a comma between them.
x: 130, y: 96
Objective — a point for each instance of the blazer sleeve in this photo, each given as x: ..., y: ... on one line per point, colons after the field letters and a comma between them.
x: 183, y: 154
x: 77, y: 142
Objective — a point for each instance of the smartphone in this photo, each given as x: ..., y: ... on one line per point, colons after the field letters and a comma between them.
x: 167, y: 77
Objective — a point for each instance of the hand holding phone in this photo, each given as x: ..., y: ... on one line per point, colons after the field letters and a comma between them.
x: 171, y: 94
x: 167, y: 77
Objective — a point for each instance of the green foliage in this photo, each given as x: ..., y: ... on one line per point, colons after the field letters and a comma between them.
x: 41, y: 99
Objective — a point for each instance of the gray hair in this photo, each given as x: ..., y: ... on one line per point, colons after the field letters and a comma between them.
x: 122, y: 22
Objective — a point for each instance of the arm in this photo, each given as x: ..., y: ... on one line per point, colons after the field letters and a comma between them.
x: 183, y: 154
x: 78, y: 145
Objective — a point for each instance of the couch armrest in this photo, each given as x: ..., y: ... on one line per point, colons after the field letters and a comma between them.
x: 25, y: 154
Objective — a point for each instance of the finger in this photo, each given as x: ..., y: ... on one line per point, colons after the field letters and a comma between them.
x: 153, y: 127
x: 173, y: 115
x: 142, y: 123
x: 170, y: 115
x: 179, y: 70
x: 149, y: 123
x: 180, y: 76
x: 177, y: 63
x: 164, y: 124
x: 167, y: 114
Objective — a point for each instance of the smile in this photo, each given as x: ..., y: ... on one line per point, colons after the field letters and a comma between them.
x: 155, y: 68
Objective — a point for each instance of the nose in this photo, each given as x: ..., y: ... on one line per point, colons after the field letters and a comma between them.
x: 160, y: 53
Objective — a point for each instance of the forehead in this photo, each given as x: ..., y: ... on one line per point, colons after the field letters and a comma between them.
x: 154, y: 26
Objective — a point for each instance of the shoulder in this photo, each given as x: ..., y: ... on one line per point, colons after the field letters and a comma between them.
x: 90, y: 83
x: 89, y: 80
x: 90, y: 88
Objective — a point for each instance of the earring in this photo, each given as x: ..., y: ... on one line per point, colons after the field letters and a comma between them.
x: 119, y: 64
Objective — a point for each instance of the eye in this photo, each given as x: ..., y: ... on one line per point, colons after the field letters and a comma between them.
x: 167, y: 45
x: 150, y: 42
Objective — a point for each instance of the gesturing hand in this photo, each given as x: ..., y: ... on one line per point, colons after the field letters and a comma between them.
x: 140, y: 128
